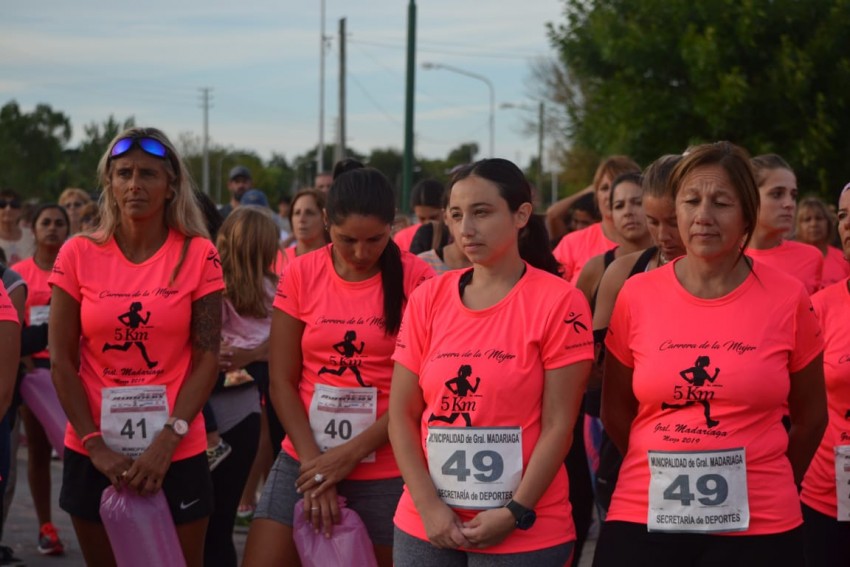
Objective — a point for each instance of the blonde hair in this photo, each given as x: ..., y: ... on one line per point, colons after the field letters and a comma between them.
x: 72, y: 192
x: 248, y: 245
x: 182, y: 211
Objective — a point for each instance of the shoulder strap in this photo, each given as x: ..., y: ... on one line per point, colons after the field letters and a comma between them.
x: 643, y: 261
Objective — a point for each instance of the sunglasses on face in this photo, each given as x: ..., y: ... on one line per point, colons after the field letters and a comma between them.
x: 74, y: 205
x: 14, y: 203
x: 148, y: 145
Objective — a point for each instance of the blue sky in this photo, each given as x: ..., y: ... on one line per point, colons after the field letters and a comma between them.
x: 91, y: 59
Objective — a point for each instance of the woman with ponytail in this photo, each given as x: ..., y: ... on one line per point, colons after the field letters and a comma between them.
x: 491, y: 365
x: 334, y: 326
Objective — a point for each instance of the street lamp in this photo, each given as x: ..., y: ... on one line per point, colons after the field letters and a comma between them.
x: 540, y: 109
x: 428, y: 65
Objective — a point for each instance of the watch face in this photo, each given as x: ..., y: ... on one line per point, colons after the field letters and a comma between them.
x: 526, y: 520
x: 181, y: 427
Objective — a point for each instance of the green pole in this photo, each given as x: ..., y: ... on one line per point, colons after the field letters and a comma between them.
x: 407, y: 171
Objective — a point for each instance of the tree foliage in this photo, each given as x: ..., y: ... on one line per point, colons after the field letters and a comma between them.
x: 651, y: 77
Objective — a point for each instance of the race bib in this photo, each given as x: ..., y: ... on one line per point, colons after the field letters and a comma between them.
x: 475, y: 467
x: 842, y: 482
x: 338, y: 415
x: 698, y: 491
x: 39, y: 314
x: 130, y: 417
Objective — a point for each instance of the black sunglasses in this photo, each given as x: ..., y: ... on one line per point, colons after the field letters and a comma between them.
x: 14, y: 203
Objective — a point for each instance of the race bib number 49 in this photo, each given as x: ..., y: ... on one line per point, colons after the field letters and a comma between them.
x: 130, y: 417
x: 700, y: 492
x: 475, y: 467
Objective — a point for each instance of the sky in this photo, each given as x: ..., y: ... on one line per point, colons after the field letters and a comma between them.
x: 149, y: 60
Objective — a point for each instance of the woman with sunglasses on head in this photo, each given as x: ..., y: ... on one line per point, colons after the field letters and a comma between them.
x: 50, y: 227
x: 337, y: 313
x: 134, y: 338
x: 491, y: 365
x: 73, y: 200
x: 17, y: 242
x: 704, y: 356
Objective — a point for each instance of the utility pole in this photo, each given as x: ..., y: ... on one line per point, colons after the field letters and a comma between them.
x: 407, y: 169
x: 320, y: 154
x: 205, y: 167
x: 339, y: 151
x: 540, y: 127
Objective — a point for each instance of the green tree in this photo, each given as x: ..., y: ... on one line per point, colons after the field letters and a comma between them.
x: 79, y: 165
x: 651, y: 77
x: 31, y: 146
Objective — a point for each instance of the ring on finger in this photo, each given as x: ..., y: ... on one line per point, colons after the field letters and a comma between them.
x: 319, y: 478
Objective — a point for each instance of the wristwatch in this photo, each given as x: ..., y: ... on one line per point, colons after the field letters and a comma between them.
x: 179, y: 426
x: 525, y: 517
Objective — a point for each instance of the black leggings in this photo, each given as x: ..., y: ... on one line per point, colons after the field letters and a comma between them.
x: 826, y: 539
x: 229, y: 479
x: 260, y: 372
x: 581, y: 487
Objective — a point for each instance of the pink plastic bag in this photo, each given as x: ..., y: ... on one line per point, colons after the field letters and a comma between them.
x: 349, y: 543
x: 140, y: 529
x: 39, y: 394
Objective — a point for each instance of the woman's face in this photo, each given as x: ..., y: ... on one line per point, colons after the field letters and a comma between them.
x: 580, y: 219
x: 481, y: 222
x: 778, y: 195
x: 812, y: 226
x: 603, y: 196
x: 844, y: 222
x: 663, y: 227
x: 627, y: 211
x: 10, y: 213
x: 359, y: 242
x: 73, y: 204
x: 140, y: 185
x: 307, y: 223
x: 50, y: 229
x: 710, y: 215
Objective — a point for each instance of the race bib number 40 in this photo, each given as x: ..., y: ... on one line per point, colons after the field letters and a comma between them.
x: 475, y: 467
x: 130, y: 417
x: 338, y: 415
x: 702, y: 492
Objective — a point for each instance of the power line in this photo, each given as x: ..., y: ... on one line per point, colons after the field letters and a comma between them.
x: 424, y: 49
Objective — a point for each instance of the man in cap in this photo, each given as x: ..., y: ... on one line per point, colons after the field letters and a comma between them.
x: 238, y: 183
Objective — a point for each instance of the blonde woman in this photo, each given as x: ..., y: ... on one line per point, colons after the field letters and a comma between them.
x: 136, y: 315
x: 73, y: 200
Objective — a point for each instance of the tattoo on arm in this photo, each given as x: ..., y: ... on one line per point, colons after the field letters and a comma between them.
x: 206, y: 323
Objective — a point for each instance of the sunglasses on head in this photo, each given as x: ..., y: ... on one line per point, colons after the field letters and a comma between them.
x: 150, y: 146
x: 14, y: 203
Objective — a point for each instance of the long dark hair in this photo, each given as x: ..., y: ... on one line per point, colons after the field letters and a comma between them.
x: 365, y: 191
x: 533, y: 240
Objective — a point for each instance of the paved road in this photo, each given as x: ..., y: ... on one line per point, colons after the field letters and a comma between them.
x: 21, y: 530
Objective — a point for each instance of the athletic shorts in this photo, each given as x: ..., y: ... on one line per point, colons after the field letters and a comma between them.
x: 410, y: 551
x: 374, y: 501
x: 187, y: 486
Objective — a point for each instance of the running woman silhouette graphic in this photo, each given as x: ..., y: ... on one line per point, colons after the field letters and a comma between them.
x: 697, y: 376
x: 347, y: 349
x: 132, y: 320
x: 461, y: 388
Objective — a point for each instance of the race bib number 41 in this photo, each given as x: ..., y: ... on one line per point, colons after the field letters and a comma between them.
x: 842, y: 482
x: 130, y: 417
x: 701, y: 492
x: 475, y: 467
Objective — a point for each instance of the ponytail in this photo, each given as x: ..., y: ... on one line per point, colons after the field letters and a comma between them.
x: 534, y: 246
x: 392, y: 282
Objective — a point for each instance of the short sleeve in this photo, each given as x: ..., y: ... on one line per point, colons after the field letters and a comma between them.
x: 568, y: 337
x: 412, y: 336
x: 286, y: 297
x: 619, y: 329
x: 808, y: 336
x: 211, y: 278
x: 64, y: 273
x: 7, y: 310
x: 564, y: 254
x: 417, y: 271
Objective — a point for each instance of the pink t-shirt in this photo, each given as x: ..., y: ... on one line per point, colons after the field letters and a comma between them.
x: 344, y: 344
x: 38, y: 293
x: 135, y: 323
x: 835, y: 266
x: 404, y: 237
x: 485, y: 368
x: 576, y: 248
x: 7, y: 310
x: 803, y: 261
x: 832, y: 306
x: 713, y: 374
